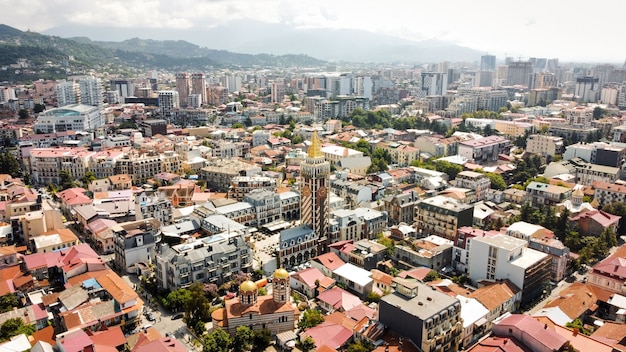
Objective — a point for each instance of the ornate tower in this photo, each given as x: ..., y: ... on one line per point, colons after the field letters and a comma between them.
x: 248, y: 293
x: 315, y: 172
x: 280, y: 286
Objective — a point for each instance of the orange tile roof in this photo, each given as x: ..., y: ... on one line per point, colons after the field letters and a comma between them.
x: 493, y: 296
x: 575, y: 300
x: 117, y: 288
x: 264, y: 305
x: 46, y: 335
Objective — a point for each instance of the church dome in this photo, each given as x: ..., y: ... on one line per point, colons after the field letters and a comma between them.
x: 247, y: 286
x: 281, y: 274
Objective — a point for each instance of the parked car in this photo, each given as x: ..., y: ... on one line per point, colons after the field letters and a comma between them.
x: 151, y: 317
x: 177, y: 316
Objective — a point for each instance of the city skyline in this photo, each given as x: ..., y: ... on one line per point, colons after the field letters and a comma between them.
x: 537, y: 29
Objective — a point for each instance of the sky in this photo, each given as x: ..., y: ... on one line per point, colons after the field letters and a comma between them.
x: 573, y: 30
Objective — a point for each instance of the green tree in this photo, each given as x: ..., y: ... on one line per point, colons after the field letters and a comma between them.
x: 306, y: 345
x: 13, y: 327
x: 262, y: 338
x: 217, y: 341
x: 177, y: 299
x: 10, y: 165
x: 66, y: 180
x: 237, y: 125
x: 88, y: 178
x: 619, y: 209
x: 23, y: 114
x: 243, y: 340
x: 497, y: 181
x: 373, y: 297
x: 310, y: 318
x: 578, y: 324
x: 360, y: 346
x: 8, y: 302
x: 197, y: 308
x: 431, y: 276
x: 39, y: 108
x: 448, y: 168
x: 598, y: 113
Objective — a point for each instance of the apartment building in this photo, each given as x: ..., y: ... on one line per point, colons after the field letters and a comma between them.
x: 437, y: 146
x: 401, y: 207
x: 586, y: 173
x: 134, y: 242
x: 442, y: 216
x: 401, y: 154
x: 267, y: 205
x: 296, y: 246
x: 46, y: 164
x: 542, y: 194
x: 484, y: 150
x: 431, y: 252
x: 606, y: 193
x: 356, y: 224
x: 219, y: 173
x: 215, y: 259
x: 242, y: 185
x: 544, y: 145
x: 474, y: 181
x: 290, y: 205
x: 140, y: 167
x: 503, y: 257
x: 430, y: 318
x: 155, y: 206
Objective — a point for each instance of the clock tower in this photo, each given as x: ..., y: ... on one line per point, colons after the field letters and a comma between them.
x: 314, y: 206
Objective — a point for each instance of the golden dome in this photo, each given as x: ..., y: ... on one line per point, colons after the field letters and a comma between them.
x: 281, y: 274
x: 247, y: 286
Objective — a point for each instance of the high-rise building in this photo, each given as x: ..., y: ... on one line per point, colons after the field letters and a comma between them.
x: 68, y: 92
x: 278, y: 92
x: 182, y: 86
x: 168, y: 101
x: 198, y: 86
x: 315, y: 171
x: 434, y: 83
x: 587, y: 89
x: 519, y: 73
x: 487, y: 62
x: 91, y: 92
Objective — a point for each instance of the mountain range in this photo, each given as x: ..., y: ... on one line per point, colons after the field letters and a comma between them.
x: 255, y: 37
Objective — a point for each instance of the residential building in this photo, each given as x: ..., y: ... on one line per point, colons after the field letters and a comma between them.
x: 219, y: 173
x: 364, y: 253
x: 400, y: 208
x: 157, y: 207
x: 531, y: 333
x: 484, y: 150
x: 475, y: 181
x: 606, y: 193
x: 140, y: 167
x: 297, y: 245
x: 542, y: 194
x: 357, y: 224
x: 585, y: 172
x: 431, y: 319
x: 215, y: 259
x: 274, y: 312
x: 242, y: 185
x: 135, y: 243
x: 289, y: 205
x: 610, y: 273
x: 544, y: 145
x: 310, y: 282
x: 431, y: 252
x: 153, y: 127
x: 505, y: 257
x: 442, y: 216
x: 183, y: 85
x: 267, y: 205
x: 474, y: 316
x: 355, y: 279
x: 401, y: 154
x: 169, y: 101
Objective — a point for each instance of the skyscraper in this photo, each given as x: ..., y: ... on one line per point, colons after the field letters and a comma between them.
x: 182, y: 87
x: 434, y: 83
x: 68, y: 92
x: 198, y: 86
x: 315, y: 171
x: 487, y: 62
x: 91, y: 92
x: 519, y: 73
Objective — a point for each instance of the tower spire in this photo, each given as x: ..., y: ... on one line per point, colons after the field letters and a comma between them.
x: 316, y: 146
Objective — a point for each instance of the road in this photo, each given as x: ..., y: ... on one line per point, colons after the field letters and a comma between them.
x: 163, y: 319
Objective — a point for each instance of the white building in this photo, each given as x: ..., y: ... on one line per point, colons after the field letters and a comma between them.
x: 168, y: 101
x: 356, y: 279
x: 76, y: 117
x: 503, y: 257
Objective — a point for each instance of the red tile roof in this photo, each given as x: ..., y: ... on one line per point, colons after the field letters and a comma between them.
x: 330, y: 334
x: 526, y: 325
x: 499, y: 344
x: 330, y: 260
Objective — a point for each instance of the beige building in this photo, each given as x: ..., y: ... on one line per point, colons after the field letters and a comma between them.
x: 512, y: 128
x: 220, y: 172
x: 544, y: 145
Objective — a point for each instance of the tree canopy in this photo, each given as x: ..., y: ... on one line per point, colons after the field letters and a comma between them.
x: 310, y: 318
